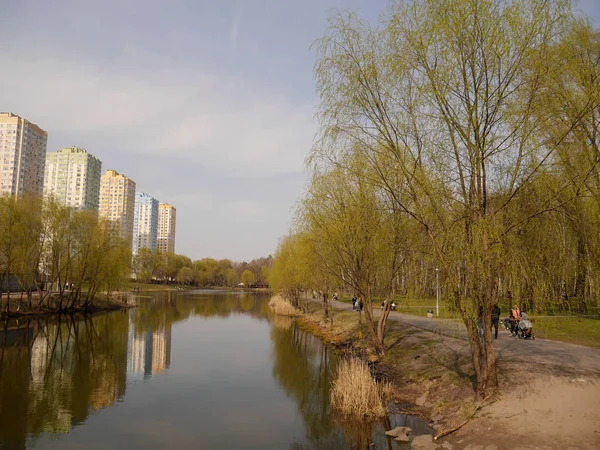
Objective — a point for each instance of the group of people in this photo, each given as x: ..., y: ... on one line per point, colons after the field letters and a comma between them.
x: 357, y: 305
x: 517, y: 321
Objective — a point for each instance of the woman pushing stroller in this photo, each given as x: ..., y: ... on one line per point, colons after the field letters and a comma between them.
x: 515, y: 317
x: 519, y: 324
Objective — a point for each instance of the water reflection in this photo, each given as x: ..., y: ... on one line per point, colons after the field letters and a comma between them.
x: 53, y: 373
x: 264, y: 385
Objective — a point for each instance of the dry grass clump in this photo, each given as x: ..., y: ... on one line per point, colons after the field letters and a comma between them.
x: 282, y: 307
x: 283, y: 322
x: 356, y: 394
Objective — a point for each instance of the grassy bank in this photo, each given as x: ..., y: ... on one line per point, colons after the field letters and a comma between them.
x: 430, y: 375
x: 20, y: 308
x: 575, y: 330
x: 151, y: 286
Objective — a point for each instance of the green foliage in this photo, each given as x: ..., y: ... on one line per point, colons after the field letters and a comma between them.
x: 42, y: 242
x: 248, y: 278
x: 468, y: 128
x: 292, y: 271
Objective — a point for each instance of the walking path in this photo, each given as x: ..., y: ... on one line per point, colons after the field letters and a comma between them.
x: 558, y: 355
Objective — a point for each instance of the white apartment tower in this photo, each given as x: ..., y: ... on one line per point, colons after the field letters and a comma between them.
x: 22, y: 155
x: 166, y: 228
x: 145, y: 222
x: 72, y: 177
x: 117, y: 203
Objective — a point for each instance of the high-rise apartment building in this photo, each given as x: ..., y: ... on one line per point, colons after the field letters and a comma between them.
x: 145, y: 222
x: 22, y: 155
x: 166, y: 228
x: 117, y: 203
x: 72, y: 177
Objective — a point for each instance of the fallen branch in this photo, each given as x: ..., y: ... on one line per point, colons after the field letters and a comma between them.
x: 452, y: 430
x: 516, y: 414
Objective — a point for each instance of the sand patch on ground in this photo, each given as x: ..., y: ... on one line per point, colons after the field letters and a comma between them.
x: 546, y: 413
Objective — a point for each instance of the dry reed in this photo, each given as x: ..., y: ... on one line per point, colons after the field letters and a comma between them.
x: 356, y: 394
x: 282, y: 307
x: 283, y: 322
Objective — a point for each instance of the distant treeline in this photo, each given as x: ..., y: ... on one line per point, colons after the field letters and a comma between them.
x: 151, y: 266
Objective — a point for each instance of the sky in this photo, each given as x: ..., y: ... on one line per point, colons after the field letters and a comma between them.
x: 206, y: 104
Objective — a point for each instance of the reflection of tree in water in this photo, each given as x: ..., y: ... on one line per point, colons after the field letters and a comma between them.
x: 14, y: 386
x: 55, y: 372
x: 166, y: 308
x: 59, y: 372
x: 305, y: 368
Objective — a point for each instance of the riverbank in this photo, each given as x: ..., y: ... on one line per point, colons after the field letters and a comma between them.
x: 551, y: 403
x: 19, y: 308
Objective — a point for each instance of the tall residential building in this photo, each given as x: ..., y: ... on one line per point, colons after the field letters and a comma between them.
x: 166, y: 228
x: 117, y: 203
x: 22, y: 155
x: 73, y: 178
x: 145, y: 222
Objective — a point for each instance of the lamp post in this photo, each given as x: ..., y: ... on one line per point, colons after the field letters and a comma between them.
x: 437, y: 292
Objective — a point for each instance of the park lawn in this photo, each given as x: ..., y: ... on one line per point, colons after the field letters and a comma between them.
x: 575, y: 330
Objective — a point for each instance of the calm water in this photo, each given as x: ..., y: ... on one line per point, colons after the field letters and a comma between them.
x: 200, y: 369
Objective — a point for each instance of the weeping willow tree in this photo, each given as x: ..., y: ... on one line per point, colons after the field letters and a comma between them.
x: 355, y: 235
x: 446, y: 101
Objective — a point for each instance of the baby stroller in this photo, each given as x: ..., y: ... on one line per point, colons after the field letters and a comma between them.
x: 525, y: 328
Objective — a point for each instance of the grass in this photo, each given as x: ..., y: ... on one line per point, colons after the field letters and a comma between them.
x: 581, y: 331
x: 356, y: 394
x: 282, y: 307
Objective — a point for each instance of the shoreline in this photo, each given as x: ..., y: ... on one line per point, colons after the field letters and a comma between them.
x: 100, y: 306
x: 432, y: 377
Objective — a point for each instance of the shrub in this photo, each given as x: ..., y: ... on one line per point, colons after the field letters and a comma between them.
x: 282, y: 307
x: 356, y: 394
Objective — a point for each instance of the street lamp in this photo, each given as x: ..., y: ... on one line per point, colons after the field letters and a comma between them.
x: 437, y: 292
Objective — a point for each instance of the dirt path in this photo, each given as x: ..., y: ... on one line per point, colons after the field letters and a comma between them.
x: 561, y: 356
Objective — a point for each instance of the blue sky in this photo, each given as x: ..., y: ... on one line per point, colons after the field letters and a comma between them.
x: 207, y: 105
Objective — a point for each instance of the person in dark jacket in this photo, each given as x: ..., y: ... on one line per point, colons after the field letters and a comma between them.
x: 496, y: 319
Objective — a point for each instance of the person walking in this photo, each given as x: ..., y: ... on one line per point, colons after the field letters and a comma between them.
x: 354, y: 303
x: 496, y: 319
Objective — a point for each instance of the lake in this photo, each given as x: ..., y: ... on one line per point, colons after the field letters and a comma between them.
x: 186, y: 369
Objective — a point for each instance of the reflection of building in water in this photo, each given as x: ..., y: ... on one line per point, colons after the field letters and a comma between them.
x: 57, y: 419
x: 149, y: 352
x: 161, y: 350
x: 39, y: 359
